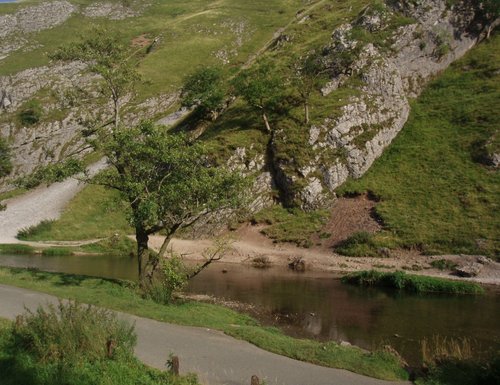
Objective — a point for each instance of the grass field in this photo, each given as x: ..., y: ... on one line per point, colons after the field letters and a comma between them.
x: 434, y: 194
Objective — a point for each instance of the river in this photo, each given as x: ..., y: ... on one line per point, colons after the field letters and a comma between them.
x: 316, y: 305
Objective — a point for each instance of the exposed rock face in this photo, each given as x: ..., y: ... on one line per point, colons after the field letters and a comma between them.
x: 112, y: 11
x: 67, y: 93
x: 31, y: 19
x: 423, y: 38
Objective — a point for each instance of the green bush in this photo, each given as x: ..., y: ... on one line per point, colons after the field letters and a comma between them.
x: 174, y: 276
x: 72, y: 344
x: 16, y: 249
x: 5, y: 162
x: 56, y: 251
x: 70, y: 333
x: 31, y: 113
x: 412, y: 283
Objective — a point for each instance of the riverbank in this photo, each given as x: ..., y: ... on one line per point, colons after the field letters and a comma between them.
x: 122, y: 296
x: 250, y: 246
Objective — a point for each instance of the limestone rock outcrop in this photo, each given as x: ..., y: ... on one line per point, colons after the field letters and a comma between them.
x: 420, y: 39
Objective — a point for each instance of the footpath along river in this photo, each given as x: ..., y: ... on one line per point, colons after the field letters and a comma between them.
x: 317, y: 305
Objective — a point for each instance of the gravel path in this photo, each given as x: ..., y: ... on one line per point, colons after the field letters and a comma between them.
x: 42, y: 203
x: 215, y: 357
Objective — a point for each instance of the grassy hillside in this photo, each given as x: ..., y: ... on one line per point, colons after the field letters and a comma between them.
x: 434, y: 192
x: 191, y: 34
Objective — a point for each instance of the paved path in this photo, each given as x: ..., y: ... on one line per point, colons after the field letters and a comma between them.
x: 42, y: 203
x: 216, y: 358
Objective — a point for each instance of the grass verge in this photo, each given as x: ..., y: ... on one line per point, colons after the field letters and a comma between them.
x: 413, y: 283
x: 123, y: 297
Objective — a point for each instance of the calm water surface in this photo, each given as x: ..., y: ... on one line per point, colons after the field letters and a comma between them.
x: 315, y: 305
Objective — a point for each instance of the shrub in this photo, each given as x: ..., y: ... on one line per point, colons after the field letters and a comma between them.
x: 16, y: 249
x: 174, y: 277
x: 71, y: 333
x: 31, y: 113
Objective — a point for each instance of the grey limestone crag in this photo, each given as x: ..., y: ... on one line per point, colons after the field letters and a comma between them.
x: 430, y: 36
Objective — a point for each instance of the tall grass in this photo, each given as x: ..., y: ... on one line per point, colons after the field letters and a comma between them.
x: 73, y: 344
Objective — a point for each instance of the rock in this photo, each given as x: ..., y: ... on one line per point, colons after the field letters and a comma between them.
x: 348, y: 142
x: 483, y: 260
x: 297, y: 264
x: 469, y: 270
x: 345, y: 343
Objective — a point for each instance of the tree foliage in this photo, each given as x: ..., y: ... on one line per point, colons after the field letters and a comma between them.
x: 166, y: 179
x: 262, y: 88
x: 206, y: 90
x: 108, y: 56
x: 307, y: 74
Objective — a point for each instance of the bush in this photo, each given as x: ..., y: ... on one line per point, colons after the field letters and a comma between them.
x: 28, y: 232
x: 31, y: 113
x: 173, y: 277
x: 70, y: 345
x: 70, y: 333
x: 443, y: 264
x: 364, y: 244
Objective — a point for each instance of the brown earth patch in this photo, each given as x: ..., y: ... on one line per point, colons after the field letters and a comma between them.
x: 141, y: 41
x: 348, y: 216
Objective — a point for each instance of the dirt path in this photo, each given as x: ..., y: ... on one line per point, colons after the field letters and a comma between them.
x: 215, y: 357
x: 42, y: 203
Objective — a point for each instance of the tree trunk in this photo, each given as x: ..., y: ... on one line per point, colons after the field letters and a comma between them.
x: 142, y: 252
x: 306, y: 112
x: 266, y: 122
x: 116, y: 111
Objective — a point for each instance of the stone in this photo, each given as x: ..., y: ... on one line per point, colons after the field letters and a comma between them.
x: 469, y: 270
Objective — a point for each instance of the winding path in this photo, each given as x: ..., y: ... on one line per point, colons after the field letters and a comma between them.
x: 42, y: 203
x: 216, y: 358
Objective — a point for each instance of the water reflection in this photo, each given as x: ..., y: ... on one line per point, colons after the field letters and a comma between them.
x: 315, y: 305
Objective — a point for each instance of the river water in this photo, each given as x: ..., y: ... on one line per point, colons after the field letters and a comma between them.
x: 316, y: 305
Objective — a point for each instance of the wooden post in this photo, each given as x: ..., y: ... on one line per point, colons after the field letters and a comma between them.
x: 255, y: 380
x: 110, y: 348
x: 175, y: 365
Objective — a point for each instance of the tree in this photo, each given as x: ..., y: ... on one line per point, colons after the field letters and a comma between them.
x: 110, y: 58
x: 307, y: 73
x: 205, y: 89
x: 167, y: 181
x: 261, y: 88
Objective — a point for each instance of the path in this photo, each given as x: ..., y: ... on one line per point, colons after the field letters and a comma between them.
x: 215, y: 357
x: 42, y: 203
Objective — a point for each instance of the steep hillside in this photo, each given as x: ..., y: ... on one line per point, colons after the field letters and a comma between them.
x: 438, y: 183
x: 44, y: 106
x: 371, y: 59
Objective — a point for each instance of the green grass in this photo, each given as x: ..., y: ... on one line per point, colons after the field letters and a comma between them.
x: 191, y: 32
x: 434, y: 193
x: 412, y: 283
x: 292, y: 225
x: 67, y: 346
x: 363, y: 244
x: 16, y: 249
x: 94, y: 213
x: 123, y: 297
